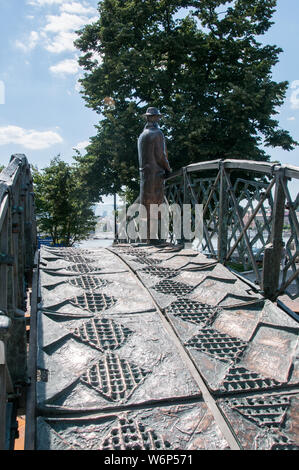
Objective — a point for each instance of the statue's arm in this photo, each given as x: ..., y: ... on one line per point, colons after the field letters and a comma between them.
x: 162, y: 154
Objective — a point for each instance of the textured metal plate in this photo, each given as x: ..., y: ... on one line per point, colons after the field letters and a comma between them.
x: 89, y: 282
x: 102, y: 333
x: 159, y: 272
x: 121, y: 357
x: 167, y: 286
x: 222, y: 346
x: 129, y: 434
x: 264, y: 422
x: 192, y: 311
x: 113, y: 377
x: 164, y: 427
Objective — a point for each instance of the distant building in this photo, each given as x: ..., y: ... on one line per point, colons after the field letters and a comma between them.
x: 260, y: 217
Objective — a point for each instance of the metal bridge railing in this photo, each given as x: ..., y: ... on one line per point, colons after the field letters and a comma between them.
x: 18, y: 243
x: 250, y: 219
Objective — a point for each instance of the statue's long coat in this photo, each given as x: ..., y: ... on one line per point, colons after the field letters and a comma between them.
x: 153, y: 163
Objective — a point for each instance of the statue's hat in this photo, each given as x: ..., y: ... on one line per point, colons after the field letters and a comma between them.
x: 152, y: 112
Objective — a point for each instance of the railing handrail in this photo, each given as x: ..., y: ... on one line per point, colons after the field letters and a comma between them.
x: 291, y: 171
x: 18, y: 243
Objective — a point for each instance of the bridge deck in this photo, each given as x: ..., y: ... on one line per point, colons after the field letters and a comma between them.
x: 150, y: 348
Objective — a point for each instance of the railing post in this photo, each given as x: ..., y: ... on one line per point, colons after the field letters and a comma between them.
x: 184, y: 202
x: 115, y: 219
x: 222, y: 216
x: 273, y: 251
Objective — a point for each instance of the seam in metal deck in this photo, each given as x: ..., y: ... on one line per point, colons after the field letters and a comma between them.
x: 150, y: 348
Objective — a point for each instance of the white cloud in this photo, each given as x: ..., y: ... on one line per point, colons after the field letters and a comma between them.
x: 74, y: 5
x: 82, y: 145
x: 30, y: 42
x: 64, y: 41
x: 78, y: 8
x: 294, y: 99
x: 41, y: 3
x: 67, y: 66
x: 64, y: 22
x: 29, y: 138
x: 66, y: 5
x: 292, y: 118
x: 59, y: 30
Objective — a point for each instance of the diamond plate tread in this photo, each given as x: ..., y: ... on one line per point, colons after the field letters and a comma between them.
x: 85, y: 282
x: 167, y: 286
x: 68, y: 354
x: 264, y: 422
x: 89, y: 282
x: 239, y: 379
x: 192, y: 311
x: 100, y: 333
x: 114, y: 378
x: 151, y: 275
x: 103, y: 334
x: 129, y: 434
x: 244, y: 348
x: 83, y: 268
x: 93, y: 302
x: 167, y: 291
x: 62, y: 252
x: 72, y: 270
x: 217, y: 344
x: 72, y: 258
x: 264, y: 411
x: 163, y: 273
x: 98, y: 260
x: 238, y: 313
x: 167, y: 427
x: 143, y: 259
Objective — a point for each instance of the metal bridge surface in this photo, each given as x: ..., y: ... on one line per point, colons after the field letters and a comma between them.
x: 141, y: 347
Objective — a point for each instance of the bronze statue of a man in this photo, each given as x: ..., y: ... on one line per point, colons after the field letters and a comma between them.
x: 153, y: 161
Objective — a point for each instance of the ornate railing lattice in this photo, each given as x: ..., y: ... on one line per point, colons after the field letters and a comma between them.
x: 250, y: 218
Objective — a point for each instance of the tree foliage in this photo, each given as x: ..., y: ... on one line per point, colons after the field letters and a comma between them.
x: 63, y: 206
x: 200, y: 62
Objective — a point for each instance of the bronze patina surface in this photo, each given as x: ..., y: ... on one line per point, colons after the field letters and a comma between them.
x: 157, y: 349
x: 153, y: 163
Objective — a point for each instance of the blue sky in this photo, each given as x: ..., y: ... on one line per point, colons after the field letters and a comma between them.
x: 41, y: 111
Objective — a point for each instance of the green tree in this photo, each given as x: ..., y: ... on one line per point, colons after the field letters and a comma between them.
x: 63, y: 206
x: 200, y: 62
